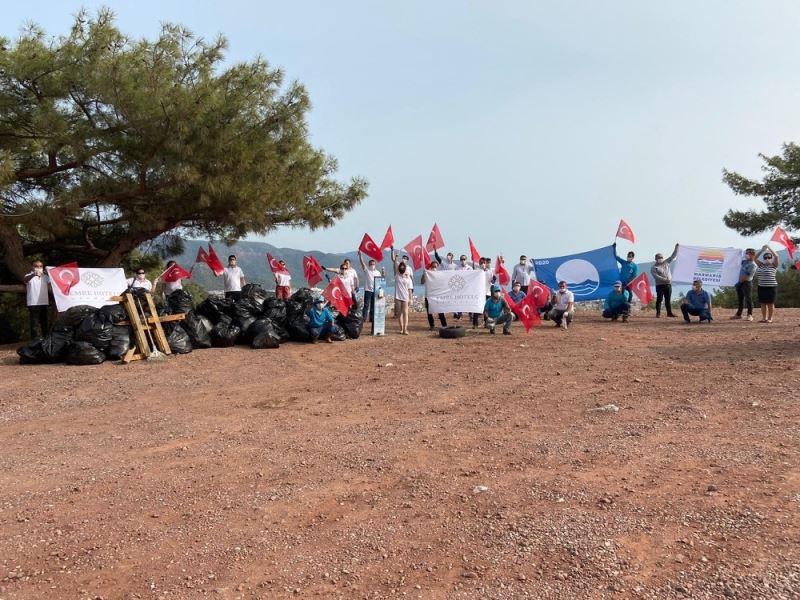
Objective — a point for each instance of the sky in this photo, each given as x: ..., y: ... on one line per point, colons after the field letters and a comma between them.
x: 532, y: 127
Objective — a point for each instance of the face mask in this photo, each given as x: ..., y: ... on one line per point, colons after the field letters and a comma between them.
x: 38, y: 270
x: 140, y: 276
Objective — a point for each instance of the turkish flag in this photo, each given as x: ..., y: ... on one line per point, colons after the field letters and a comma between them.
x: 476, y: 256
x: 212, y: 260
x: 782, y: 237
x: 502, y: 274
x: 528, y: 312
x: 624, y: 231
x: 65, y: 276
x: 539, y: 292
x: 415, y: 251
x: 312, y: 270
x: 426, y: 260
x: 388, y: 239
x: 640, y: 286
x: 370, y: 248
x: 435, y: 240
x: 337, y: 295
x: 175, y: 273
x: 274, y: 265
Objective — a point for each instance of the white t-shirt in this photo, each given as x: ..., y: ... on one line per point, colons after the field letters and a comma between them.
x: 37, y: 290
x: 369, y: 279
x: 172, y: 286
x: 563, y: 299
x: 460, y: 267
x: 283, y: 279
x: 403, y: 285
x: 349, y: 279
x: 522, y: 274
x: 134, y: 283
x: 489, y: 275
x: 446, y: 266
x: 232, y: 279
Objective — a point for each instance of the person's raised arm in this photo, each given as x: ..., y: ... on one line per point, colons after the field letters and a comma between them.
x: 760, y: 252
x: 619, y: 259
x: 436, y: 255
x: 361, y: 260
x: 673, y: 255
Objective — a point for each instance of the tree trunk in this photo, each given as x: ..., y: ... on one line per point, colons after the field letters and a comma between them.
x: 14, y: 257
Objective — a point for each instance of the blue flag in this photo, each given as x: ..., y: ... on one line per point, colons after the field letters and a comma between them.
x: 589, y: 275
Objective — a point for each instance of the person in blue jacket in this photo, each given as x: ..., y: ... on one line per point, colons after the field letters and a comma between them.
x: 496, y: 311
x: 697, y: 302
x: 617, y: 304
x: 320, y: 321
x: 628, y: 271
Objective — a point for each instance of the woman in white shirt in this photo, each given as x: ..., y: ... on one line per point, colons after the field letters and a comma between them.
x: 140, y: 280
x: 403, y: 285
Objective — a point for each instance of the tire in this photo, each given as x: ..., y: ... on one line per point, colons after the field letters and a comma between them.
x: 452, y: 332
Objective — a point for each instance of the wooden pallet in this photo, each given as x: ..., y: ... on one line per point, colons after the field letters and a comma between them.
x: 140, y: 326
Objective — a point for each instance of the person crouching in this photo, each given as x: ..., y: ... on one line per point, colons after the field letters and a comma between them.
x: 320, y: 321
x: 496, y: 311
x: 617, y: 304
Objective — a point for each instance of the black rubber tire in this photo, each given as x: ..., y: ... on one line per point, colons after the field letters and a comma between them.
x: 452, y: 332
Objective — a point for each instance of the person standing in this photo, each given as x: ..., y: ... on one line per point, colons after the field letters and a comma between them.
x: 563, y: 306
x: 485, y: 264
x: 522, y: 273
x: 370, y: 273
x: 283, y: 282
x: 496, y: 311
x: 744, y: 287
x: 662, y: 276
x: 403, y: 284
x: 140, y: 280
x: 38, y: 299
x: 442, y: 319
x: 233, y: 279
x: 448, y: 264
x: 697, y: 302
x: 167, y: 287
x: 767, y: 282
x: 617, y: 304
x: 628, y: 271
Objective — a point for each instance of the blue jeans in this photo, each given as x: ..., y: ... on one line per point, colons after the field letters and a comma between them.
x: 623, y: 309
x: 368, y: 310
x: 504, y: 319
x: 703, y: 313
x: 321, y: 332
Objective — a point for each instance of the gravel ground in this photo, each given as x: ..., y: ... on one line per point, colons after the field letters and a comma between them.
x: 484, y: 467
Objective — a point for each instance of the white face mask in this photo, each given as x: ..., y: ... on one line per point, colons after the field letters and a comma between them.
x: 140, y: 276
x: 38, y: 270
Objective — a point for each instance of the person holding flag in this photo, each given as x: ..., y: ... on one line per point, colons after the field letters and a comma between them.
x: 767, y: 282
x: 171, y: 279
x: 403, y: 286
x: 370, y: 273
x: 38, y: 300
x: 516, y: 294
x: 348, y: 276
x: 283, y: 281
x: 448, y: 264
x: 497, y: 311
x: 320, y: 321
x: 628, y: 270
x: 662, y: 276
x: 233, y: 279
x: 617, y: 304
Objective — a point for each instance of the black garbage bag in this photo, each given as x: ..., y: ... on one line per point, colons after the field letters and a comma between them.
x: 83, y: 353
x: 338, y: 334
x: 214, y: 308
x: 298, y: 328
x: 294, y: 309
x: 199, y: 330
x: 244, y: 312
x: 180, y: 301
x: 55, y: 344
x: 283, y: 335
x: 33, y: 354
x: 121, y: 336
x: 73, y: 316
x: 96, y: 330
x: 254, y: 292
x: 264, y: 335
x: 274, y: 309
x: 224, y: 333
x: 351, y: 322
x: 179, y: 341
x: 303, y: 296
x: 113, y: 313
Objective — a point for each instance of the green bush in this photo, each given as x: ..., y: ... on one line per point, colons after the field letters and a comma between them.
x: 788, y: 292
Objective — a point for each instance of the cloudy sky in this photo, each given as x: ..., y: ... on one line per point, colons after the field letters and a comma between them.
x: 531, y: 126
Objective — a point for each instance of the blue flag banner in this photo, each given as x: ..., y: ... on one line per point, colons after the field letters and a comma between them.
x: 589, y: 275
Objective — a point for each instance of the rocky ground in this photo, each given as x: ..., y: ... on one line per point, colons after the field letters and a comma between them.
x: 640, y: 460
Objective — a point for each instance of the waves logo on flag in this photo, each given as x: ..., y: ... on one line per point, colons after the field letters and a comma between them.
x: 589, y: 275
x: 709, y: 264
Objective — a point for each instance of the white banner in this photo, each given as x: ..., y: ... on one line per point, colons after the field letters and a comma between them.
x: 712, y: 266
x: 455, y: 291
x: 93, y: 287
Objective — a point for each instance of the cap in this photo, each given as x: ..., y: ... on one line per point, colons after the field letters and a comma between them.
x: 320, y: 300
x: 617, y: 284
x: 496, y: 288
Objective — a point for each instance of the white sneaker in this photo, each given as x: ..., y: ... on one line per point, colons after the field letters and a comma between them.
x: 749, y: 317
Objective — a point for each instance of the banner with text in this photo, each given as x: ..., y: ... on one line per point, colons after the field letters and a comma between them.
x: 712, y: 266
x: 455, y: 291
x: 91, y: 287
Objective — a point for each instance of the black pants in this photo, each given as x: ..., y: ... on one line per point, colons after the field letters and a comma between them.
x: 475, y: 316
x: 441, y: 316
x: 623, y: 309
x: 664, y: 292
x: 368, y: 310
x: 744, y: 293
x: 38, y: 315
x: 524, y: 289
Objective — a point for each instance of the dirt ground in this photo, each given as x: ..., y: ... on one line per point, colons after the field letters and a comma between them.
x: 417, y: 467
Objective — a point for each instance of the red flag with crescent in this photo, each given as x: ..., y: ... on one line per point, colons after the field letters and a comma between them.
x: 527, y: 311
x: 275, y: 265
x: 641, y: 287
x: 312, y: 270
x: 175, y: 273
x: 388, y: 239
x: 540, y: 293
x: 782, y: 237
x: 337, y: 295
x: 211, y: 259
x: 415, y: 251
x: 476, y: 256
x: 65, y: 276
x: 502, y: 274
x: 370, y: 248
x: 427, y: 260
x: 624, y: 231
x: 435, y: 240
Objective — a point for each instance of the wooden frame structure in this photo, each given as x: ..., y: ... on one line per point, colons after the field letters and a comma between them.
x: 140, y: 326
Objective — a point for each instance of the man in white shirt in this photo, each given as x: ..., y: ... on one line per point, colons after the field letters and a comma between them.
x: 522, y: 273
x: 38, y: 300
x: 168, y: 286
x: 283, y: 282
x: 448, y: 264
x: 233, y: 279
x: 563, y: 306
x: 485, y: 265
x: 348, y: 276
x: 370, y: 273
x: 140, y: 280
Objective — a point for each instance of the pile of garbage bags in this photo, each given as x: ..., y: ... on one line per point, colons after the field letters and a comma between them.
x: 84, y: 335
